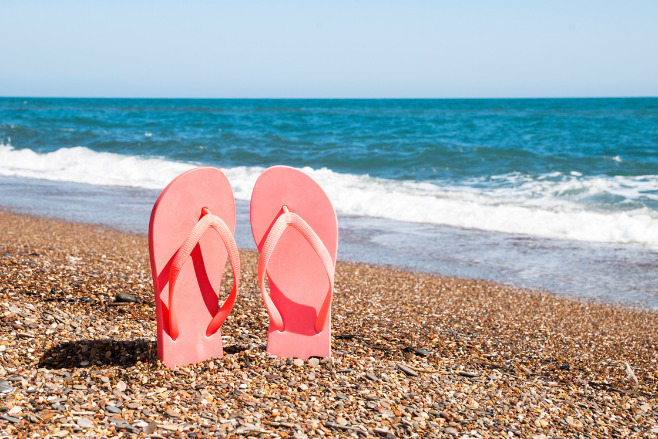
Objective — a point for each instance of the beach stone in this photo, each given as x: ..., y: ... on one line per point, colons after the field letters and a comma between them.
x: 121, y: 386
x: 172, y: 413
x: 6, y: 388
x: 422, y: 352
x: 573, y: 422
x: 313, y: 362
x: 150, y: 428
x: 451, y: 430
x: 9, y: 418
x: 85, y: 423
x: 112, y: 409
x: 468, y: 374
x: 298, y: 362
x: 125, y: 298
x: 15, y: 379
x: 407, y: 370
x: 447, y: 416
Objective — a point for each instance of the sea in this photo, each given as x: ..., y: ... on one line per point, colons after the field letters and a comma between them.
x: 549, y: 194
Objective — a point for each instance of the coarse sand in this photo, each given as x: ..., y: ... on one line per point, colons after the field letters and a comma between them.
x: 414, y: 355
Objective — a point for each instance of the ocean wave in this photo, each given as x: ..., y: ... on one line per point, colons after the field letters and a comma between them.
x: 539, y: 208
x: 599, y: 209
x: 83, y: 165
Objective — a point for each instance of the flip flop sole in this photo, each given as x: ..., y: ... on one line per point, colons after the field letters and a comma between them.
x: 297, y: 278
x: 174, y: 215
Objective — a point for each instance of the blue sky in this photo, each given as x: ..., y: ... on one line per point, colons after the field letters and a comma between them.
x: 339, y: 48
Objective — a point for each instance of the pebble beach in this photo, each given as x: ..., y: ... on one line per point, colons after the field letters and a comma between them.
x: 414, y: 355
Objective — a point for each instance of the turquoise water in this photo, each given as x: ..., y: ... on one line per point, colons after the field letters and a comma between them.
x: 566, y: 173
x: 421, y: 140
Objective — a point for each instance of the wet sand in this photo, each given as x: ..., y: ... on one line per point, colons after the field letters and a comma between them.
x: 414, y: 354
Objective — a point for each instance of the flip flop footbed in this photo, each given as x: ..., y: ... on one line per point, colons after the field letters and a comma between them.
x: 176, y: 212
x: 298, y: 280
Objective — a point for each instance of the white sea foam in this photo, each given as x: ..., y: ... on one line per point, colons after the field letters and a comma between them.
x: 82, y: 165
x: 530, y: 207
x: 552, y: 205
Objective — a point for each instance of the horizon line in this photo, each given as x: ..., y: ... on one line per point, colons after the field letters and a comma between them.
x: 326, y: 98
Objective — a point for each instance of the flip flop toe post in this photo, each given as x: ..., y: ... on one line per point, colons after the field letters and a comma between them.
x: 190, y: 240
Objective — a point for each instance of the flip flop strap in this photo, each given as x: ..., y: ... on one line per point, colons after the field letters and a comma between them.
x: 285, y: 220
x: 207, y: 221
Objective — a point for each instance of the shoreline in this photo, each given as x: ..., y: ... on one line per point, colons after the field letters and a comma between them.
x: 623, y: 274
x: 414, y: 354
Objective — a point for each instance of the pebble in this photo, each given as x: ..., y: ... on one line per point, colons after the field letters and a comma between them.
x: 313, y: 362
x: 125, y: 298
x: 9, y: 418
x: 446, y: 416
x: 407, y: 370
x: 85, y: 423
x: 149, y: 428
x: 172, y: 413
x: 298, y: 362
x: 112, y: 409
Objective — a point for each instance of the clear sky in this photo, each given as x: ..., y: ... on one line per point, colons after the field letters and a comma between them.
x: 337, y: 48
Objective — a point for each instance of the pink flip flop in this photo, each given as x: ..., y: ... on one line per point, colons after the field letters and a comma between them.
x: 187, y: 264
x: 296, y: 232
